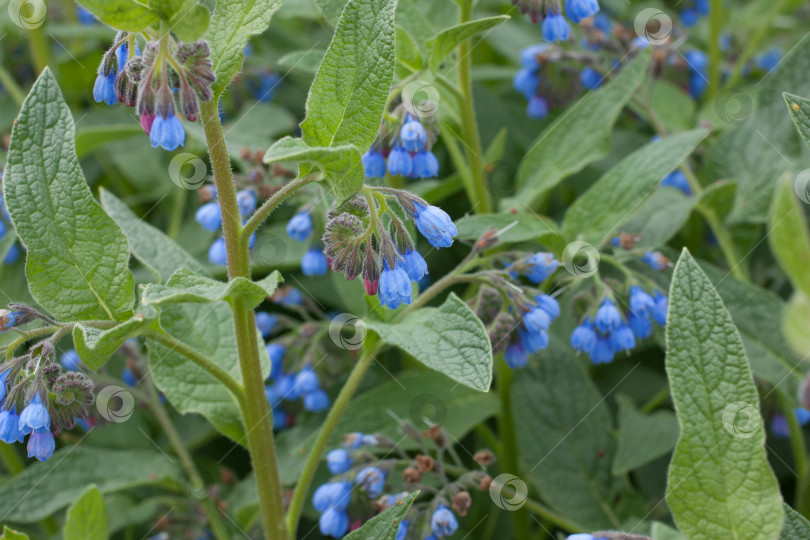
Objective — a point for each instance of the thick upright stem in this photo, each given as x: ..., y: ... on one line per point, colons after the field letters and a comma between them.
x: 255, y: 410
x: 472, y: 139
x: 716, y: 26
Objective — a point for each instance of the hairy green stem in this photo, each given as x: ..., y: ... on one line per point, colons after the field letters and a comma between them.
x: 278, y: 197
x: 214, y: 519
x: 254, y: 406
x: 372, y: 346
x: 715, y: 58
x: 482, y: 202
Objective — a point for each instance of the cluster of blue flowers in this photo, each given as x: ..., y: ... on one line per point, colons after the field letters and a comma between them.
x: 314, y: 262
x: 410, y: 157
x: 607, y: 332
x: 209, y: 216
x: 527, y: 81
x: 698, y: 63
x: 35, y: 421
x: 555, y: 27
x: 691, y: 15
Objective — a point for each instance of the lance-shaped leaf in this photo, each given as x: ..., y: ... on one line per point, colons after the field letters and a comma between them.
x: 720, y: 484
x: 799, y: 108
x: 87, y: 517
x: 788, y: 236
x: 449, y: 38
x: 95, y: 346
x: 187, y: 287
x: 127, y: 15
x: 77, y: 264
x: 384, y: 526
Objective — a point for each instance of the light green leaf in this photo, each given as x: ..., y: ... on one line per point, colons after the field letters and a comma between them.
x: 788, y: 235
x: 660, y: 531
x: 127, y: 15
x: 618, y: 194
x: 578, y: 137
x: 77, y: 264
x: 519, y: 227
x: 795, y: 322
x: 43, y: 488
x: 10, y: 534
x: 642, y: 437
x: 95, y: 346
x: 799, y: 108
x: 232, y: 24
x: 191, y: 21
x: 87, y: 517
x: 156, y: 251
x: 449, y: 38
x: 341, y: 165
x: 350, y: 91
x: 90, y: 138
x: 673, y: 107
x: 384, y: 525
x: 409, y: 57
x: 796, y: 526
x: 185, y: 286
x: 660, y: 217
x: 719, y: 483
x: 306, y: 61
x: 449, y: 339
x: 567, y: 444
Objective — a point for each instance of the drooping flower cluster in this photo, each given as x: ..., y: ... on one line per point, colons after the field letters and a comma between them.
x: 608, y: 332
x: 554, y: 25
x: 166, y: 82
x: 365, y: 236
x: 409, y: 155
x: 209, y: 216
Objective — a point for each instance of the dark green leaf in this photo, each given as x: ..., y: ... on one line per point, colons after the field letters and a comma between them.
x: 87, y: 517
x: 384, y: 525
x: 642, y: 437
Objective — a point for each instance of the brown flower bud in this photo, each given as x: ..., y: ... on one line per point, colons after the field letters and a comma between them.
x: 462, y: 502
x: 484, y: 483
x: 425, y: 463
x: 484, y: 457
x: 411, y: 475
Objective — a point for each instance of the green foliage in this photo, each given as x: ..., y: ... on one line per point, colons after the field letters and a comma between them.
x: 185, y: 286
x: 642, y: 437
x: 448, y: 39
x: 95, y: 345
x: 87, y: 517
x: 384, y: 526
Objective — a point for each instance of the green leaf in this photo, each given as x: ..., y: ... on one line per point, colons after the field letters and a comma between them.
x: 673, y: 107
x: 93, y: 137
x: 660, y: 531
x: 232, y: 24
x: 156, y: 251
x: 449, y: 339
x: 384, y: 525
x: 642, y: 437
x: 601, y: 210
x: 566, y: 441
x: 660, y: 217
x: 796, y: 526
x: 191, y: 21
x: 43, y: 488
x: 578, y: 137
x: 519, y: 227
x: 795, y: 321
x: 77, y: 264
x: 341, y: 165
x: 350, y: 91
x: 127, y: 15
x: 788, y: 235
x: 87, y: 517
x: 449, y: 38
x: 95, y: 346
x: 719, y: 484
x: 185, y: 286
x: 799, y: 108
x: 10, y: 534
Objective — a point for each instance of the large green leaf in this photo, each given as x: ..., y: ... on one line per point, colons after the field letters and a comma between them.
x: 156, y: 251
x: 384, y: 526
x: 796, y: 526
x: 77, y: 264
x: 232, y: 24
x: 799, y: 108
x: 660, y: 217
x: 449, y: 38
x: 566, y: 442
x: 95, y: 346
x: 789, y: 237
x: 618, y: 194
x: 127, y: 15
x: 87, y: 517
x: 44, y: 488
x: 90, y: 138
x: 350, y: 91
x: 642, y: 437
x: 449, y: 339
x: 342, y: 165
x: 795, y: 322
x: 185, y: 286
x: 720, y: 484
x: 580, y: 136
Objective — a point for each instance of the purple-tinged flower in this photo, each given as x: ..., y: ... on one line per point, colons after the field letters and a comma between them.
x: 339, y: 461
x: 425, y: 165
x: 371, y: 480
x: 537, y: 108
x: 555, y: 28
x: 435, y: 225
x: 316, y: 401
x: 583, y: 338
x: 443, y: 522
x: 400, y: 162
x: 35, y: 416
x: 41, y: 444
x: 414, y: 265
x: 218, y: 253
x: 395, y: 286
x: 335, y: 495
x: 209, y: 216
x: 374, y: 164
x: 577, y: 10
x: 167, y: 132
x: 607, y: 317
x: 516, y: 355
x: 265, y: 322
x: 413, y: 135
x: 314, y: 262
x: 334, y: 523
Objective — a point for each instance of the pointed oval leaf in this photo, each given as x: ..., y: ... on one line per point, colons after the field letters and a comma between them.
x: 87, y: 517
